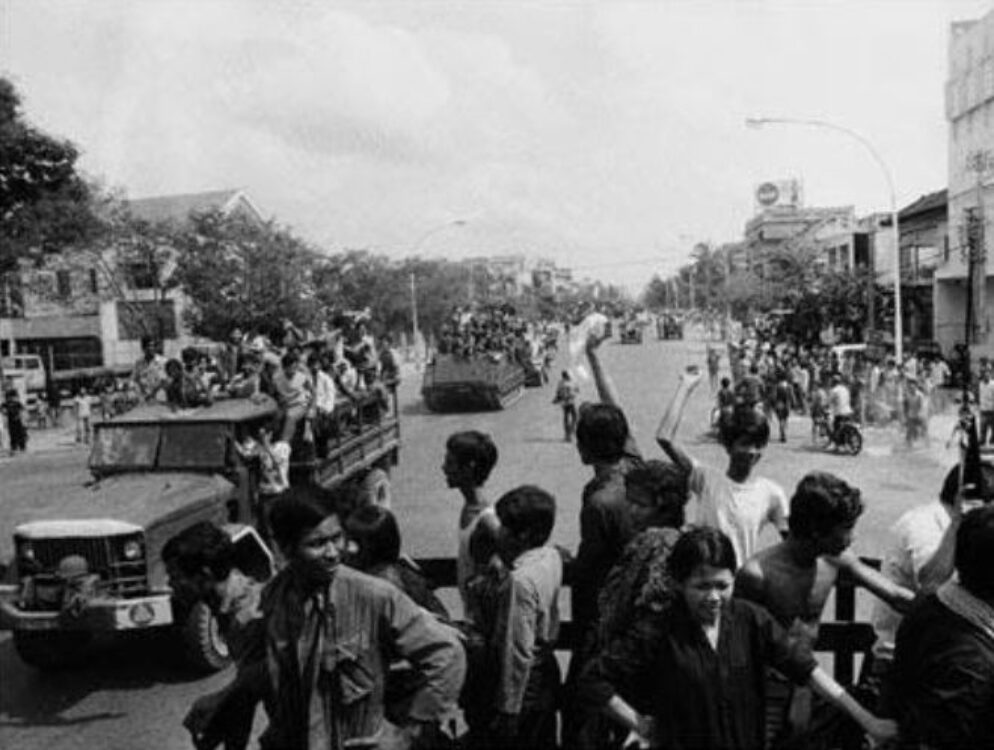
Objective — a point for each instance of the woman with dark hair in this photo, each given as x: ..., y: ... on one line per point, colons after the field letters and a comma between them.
x: 657, y: 495
x: 639, y: 582
x: 693, y: 676
x: 374, y: 548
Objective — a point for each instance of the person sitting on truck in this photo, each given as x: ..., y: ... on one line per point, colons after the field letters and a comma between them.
x: 149, y: 373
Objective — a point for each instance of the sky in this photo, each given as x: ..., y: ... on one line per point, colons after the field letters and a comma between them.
x: 608, y: 136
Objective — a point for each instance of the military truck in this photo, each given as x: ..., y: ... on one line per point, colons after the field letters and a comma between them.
x: 454, y: 383
x: 91, y: 560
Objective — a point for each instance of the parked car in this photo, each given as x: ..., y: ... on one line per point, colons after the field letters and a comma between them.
x: 92, y: 559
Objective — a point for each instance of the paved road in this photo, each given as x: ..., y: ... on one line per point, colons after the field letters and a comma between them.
x: 133, y: 693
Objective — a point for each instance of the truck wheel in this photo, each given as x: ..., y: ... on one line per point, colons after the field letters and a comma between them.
x: 52, y: 651
x: 376, y: 489
x: 203, y: 645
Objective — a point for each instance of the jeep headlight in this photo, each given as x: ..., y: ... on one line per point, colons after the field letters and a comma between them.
x: 26, y: 551
x: 132, y: 550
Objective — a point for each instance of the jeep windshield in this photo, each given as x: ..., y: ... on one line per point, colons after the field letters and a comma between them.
x: 166, y: 447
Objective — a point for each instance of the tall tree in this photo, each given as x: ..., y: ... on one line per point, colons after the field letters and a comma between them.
x: 240, y: 274
x: 45, y: 204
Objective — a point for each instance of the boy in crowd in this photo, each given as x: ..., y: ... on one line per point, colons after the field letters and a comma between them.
x: 84, y: 411
x: 734, y: 501
x: 528, y: 622
x: 794, y: 578
x: 470, y: 457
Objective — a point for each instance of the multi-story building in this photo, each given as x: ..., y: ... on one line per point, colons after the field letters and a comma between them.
x: 970, y: 113
x: 924, y: 241
x: 85, y: 310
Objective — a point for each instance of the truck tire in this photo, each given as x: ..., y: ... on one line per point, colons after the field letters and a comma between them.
x: 376, y: 488
x: 203, y: 645
x: 52, y: 651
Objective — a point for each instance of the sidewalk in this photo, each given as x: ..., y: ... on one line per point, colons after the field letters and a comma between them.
x: 49, y: 440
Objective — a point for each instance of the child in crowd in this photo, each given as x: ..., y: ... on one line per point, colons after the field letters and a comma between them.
x: 734, y: 501
x: 84, y: 428
x: 699, y: 668
x: 528, y: 622
x: 470, y: 457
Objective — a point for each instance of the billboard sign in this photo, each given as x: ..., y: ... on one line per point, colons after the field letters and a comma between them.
x: 778, y: 193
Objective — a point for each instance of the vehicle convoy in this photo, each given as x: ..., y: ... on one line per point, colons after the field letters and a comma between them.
x: 453, y: 383
x: 91, y: 560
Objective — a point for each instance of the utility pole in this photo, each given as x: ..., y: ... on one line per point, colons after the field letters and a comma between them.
x: 414, y: 316
x: 978, y: 162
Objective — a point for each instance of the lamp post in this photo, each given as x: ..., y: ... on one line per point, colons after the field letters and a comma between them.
x: 758, y: 122
x: 414, y: 297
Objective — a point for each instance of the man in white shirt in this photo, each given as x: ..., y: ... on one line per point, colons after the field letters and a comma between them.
x: 920, y: 558
x: 734, y: 501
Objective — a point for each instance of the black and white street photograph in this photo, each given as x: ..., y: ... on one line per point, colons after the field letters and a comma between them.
x: 496, y: 375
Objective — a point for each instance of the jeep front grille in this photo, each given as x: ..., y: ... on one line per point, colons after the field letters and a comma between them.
x: 118, y: 577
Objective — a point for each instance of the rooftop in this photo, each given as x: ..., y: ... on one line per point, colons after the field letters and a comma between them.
x: 930, y: 202
x: 179, y: 207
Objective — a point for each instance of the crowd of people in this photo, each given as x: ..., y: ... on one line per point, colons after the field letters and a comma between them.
x: 832, y: 383
x: 685, y: 635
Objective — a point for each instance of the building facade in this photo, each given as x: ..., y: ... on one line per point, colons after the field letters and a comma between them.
x: 969, y: 99
x: 84, y: 311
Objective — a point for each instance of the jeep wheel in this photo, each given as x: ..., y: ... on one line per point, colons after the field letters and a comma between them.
x: 203, y: 645
x: 376, y: 489
x: 52, y: 651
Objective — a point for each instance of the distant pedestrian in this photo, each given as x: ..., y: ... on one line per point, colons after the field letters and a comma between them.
x: 16, y: 429
x: 83, y: 412
x: 566, y: 393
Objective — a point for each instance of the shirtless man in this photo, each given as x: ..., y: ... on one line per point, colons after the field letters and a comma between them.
x: 793, y: 580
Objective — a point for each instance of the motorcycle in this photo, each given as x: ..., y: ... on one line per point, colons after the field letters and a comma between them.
x: 847, y: 435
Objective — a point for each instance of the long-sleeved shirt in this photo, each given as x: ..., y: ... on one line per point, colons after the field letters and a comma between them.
x: 527, y: 624
x: 606, y: 526
x: 702, y: 697
x: 329, y: 653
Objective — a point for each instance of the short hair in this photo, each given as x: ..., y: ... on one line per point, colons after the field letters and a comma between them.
x: 297, y: 511
x: 374, y: 529
x: 821, y: 502
x: 478, y: 448
x: 744, y: 422
x: 528, y: 510
x: 951, y: 484
x: 725, y: 382
x: 173, y: 368
x: 289, y: 359
x: 700, y: 545
x: 974, y: 556
x: 666, y: 484
x: 602, y: 431
x: 189, y: 355
x: 200, y: 546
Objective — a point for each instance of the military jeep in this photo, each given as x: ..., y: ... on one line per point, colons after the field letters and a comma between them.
x: 92, y: 562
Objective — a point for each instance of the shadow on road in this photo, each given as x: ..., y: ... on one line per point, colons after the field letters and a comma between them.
x: 32, y: 698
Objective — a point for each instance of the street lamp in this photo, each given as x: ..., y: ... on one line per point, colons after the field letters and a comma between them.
x: 414, y: 251
x: 758, y: 122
